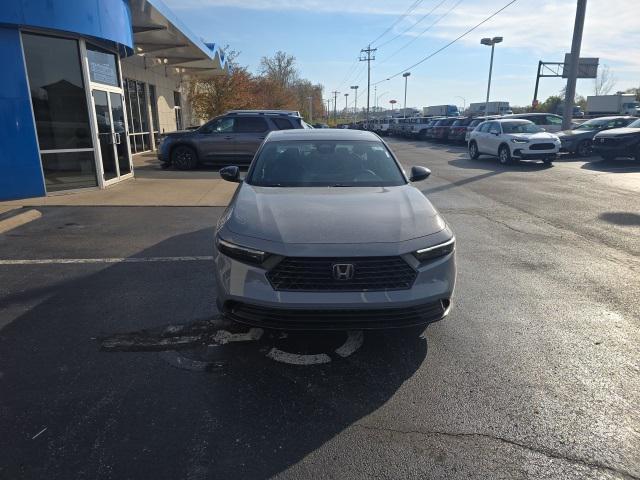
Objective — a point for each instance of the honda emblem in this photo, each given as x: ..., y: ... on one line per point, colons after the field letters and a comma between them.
x: 343, y: 271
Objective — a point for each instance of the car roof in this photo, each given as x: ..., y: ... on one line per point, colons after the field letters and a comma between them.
x: 511, y: 119
x: 335, y: 134
x: 532, y: 114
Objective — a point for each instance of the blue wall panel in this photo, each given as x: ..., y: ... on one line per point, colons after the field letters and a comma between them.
x: 20, y: 172
x: 104, y: 19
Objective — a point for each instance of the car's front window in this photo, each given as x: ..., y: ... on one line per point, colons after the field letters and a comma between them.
x: 325, y: 163
x: 592, y: 125
x: 520, y: 127
x: 635, y: 124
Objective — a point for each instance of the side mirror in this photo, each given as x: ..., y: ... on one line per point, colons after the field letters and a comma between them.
x: 230, y: 174
x: 495, y: 132
x: 419, y: 173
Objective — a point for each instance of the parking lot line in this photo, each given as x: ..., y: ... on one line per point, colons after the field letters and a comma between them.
x: 48, y: 261
x: 19, y: 220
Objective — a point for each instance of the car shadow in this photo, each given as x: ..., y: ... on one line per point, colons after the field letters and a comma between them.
x: 134, y: 414
x: 492, y: 164
x: 613, y: 166
x: 621, y: 218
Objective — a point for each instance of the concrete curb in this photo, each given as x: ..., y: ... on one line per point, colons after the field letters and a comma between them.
x: 18, y: 220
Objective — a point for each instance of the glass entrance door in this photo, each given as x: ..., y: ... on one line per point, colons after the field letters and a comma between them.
x: 112, y: 134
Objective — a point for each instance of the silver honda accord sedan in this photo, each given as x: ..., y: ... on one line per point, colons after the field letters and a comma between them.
x: 326, y: 231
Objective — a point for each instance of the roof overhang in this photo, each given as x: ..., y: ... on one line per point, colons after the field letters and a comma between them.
x: 160, y: 35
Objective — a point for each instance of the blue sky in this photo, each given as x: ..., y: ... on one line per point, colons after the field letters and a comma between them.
x: 326, y: 36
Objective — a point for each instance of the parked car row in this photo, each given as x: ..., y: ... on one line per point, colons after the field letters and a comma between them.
x: 610, y: 137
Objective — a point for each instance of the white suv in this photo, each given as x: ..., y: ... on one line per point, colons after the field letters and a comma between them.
x: 510, y: 139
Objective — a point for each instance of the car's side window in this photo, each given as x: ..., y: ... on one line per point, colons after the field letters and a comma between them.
x: 282, y: 123
x: 621, y: 123
x: 222, y: 125
x: 250, y: 125
x: 483, y: 127
x: 551, y: 120
x: 494, y: 127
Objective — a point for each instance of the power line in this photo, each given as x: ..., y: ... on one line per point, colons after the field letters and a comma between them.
x: 431, y: 25
x: 412, y: 26
x: 411, y: 8
x: 448, y: 44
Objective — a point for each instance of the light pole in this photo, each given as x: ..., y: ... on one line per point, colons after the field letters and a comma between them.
x: 355, y: 108
x: 310, y: 109
x: 393, y: 104
x: 490, y: 42
x: 405, y: 75
x: 346, y: 106
x: 464, y: 103
x: 328, y: 109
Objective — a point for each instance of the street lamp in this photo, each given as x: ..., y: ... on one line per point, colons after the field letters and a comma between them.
x: 464, y: 102
x: 346, y: 107
x: 355, y: 108
x: 490, y: 42
x: 393, y: 104
x: 405, y: 75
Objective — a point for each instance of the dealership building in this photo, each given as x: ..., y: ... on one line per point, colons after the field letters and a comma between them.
x: 86, y: 84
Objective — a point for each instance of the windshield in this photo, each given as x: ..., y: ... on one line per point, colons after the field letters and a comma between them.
x: 634, y: 124
x: 520, y: 127
x: 592, y: 125
x: 321, y: 163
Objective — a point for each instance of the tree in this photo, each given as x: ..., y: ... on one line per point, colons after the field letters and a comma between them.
x: 604, y: 82
x: 280, y: 69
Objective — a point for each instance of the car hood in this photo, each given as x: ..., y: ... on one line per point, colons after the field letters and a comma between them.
x: 333, y: 215
x: 576, y: 133
x: 614, y: 132
x: 178, y: 134
x: 534, y: 136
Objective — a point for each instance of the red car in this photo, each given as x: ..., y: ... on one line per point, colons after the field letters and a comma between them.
x: 458, y: 129
x: 441, y: 129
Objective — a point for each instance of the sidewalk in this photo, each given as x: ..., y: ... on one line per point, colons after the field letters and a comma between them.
x: 151, y: 186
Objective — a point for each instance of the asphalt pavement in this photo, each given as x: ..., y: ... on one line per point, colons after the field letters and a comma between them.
x: 114, y: 363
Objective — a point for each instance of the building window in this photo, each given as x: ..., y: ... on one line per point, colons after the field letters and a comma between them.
x: 177, y: 101
x: 60, y: 111
x: 137, y: 110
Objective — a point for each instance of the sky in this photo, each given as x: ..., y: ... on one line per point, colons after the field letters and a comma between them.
x: 326, y: 37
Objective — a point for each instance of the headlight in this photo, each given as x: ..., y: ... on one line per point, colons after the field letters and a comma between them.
x: 240, y: 253
x: 519, y: 140
x: 440, y: 250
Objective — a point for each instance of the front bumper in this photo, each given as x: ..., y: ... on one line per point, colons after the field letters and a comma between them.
x: 624, y: 150
x: 525, y: 153
x: 244, y: 294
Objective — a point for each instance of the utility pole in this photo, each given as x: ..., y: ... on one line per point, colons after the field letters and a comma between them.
x: 576, y: 44
x: 310, y: 109
x: 346, y: 106
x: 368, y: 58
x: 328, y: 109
x: 335, y: 102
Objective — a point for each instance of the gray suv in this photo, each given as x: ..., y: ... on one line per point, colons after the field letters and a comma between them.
x: 231, y: 139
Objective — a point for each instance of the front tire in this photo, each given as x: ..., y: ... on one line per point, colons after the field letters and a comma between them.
x: 584, y: 148
x: 184, y: 158
x: 504, y: 155
x: 473, y: 151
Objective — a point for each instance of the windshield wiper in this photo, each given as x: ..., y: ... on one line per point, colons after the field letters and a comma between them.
x: 341, y: 185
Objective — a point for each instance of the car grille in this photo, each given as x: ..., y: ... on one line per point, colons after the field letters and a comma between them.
x: 316, y: 274
x: 542, y: 146
x: 292, y: 318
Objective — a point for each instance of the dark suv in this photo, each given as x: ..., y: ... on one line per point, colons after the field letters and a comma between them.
x: 231, y: 139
